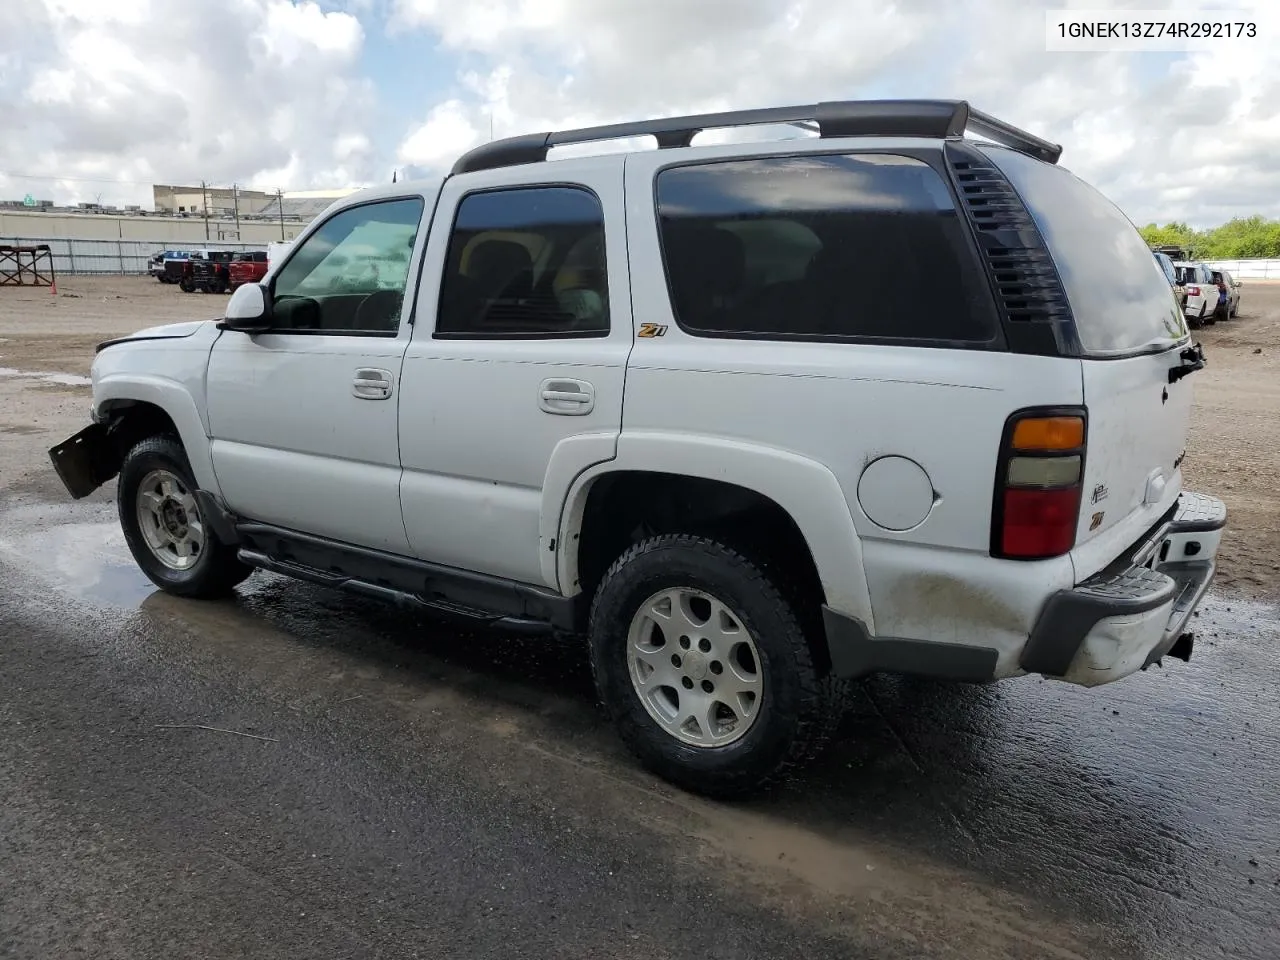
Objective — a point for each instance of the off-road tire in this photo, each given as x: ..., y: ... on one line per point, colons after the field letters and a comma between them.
x: 217, y: 571
x: 799, y: 710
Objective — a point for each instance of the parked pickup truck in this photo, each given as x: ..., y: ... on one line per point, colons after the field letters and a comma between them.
x: 976, y: 479
x: 247, y: 267
x: 159, y: 265
x: 207, y: 271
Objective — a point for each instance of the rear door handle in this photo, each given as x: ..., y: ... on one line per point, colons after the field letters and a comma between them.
x: 371, y: 383
x: 566, y: 398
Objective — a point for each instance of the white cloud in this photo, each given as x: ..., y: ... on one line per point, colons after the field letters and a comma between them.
x: 1189, y: 137
x: 270, y: 92
x: 263, y: 92
x: 446, y: 133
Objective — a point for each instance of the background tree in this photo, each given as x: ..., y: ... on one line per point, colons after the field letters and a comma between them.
x: 1242, y: 238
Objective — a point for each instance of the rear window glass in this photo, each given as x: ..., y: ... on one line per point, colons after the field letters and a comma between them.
x: 820, y: 247
x: 1119, y: 297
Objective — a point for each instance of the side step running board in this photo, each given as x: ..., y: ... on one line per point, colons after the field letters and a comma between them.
x: 445, y: 608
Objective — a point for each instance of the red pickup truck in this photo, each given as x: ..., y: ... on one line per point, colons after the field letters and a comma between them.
x: 247, y: 267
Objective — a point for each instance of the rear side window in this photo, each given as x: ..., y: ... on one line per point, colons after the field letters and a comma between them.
x: 1119, y: 296
x: 526, y: 262
x: 865, y: 246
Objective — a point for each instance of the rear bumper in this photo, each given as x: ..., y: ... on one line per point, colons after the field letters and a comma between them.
x: 1135, y: 612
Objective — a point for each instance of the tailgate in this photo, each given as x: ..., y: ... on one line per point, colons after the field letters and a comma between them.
x: 1137, y: 434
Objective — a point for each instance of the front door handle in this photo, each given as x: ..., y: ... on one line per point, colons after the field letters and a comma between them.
x: 371, y: 384
x: 567, y: 398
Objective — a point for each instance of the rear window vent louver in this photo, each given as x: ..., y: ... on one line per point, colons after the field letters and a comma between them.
x: 991, y: 201
x: 1022, y: 269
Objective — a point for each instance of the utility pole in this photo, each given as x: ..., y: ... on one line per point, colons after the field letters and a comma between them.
x: 235, y: 193
x: 204, y: 192
x: 280, y: 201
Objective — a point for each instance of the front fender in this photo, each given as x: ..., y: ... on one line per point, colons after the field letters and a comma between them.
x: 112, y: 392
x: 804, y: 488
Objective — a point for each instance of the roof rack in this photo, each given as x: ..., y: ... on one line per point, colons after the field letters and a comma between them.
x: 845, y: 118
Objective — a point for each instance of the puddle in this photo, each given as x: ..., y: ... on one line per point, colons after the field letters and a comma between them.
x: 89, y: 560
x: 62, y: 379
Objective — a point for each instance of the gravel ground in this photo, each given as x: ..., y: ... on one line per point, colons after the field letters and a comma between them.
x: 299, y: 773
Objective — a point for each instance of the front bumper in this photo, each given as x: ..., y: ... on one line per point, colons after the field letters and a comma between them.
x: 1135, y: 612
x: 87, y: 460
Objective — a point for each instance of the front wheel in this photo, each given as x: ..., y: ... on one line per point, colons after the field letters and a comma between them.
x: 163, y: 526
x: 703, y: 666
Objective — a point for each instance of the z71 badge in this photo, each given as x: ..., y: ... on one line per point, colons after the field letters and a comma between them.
x: 648, y: 330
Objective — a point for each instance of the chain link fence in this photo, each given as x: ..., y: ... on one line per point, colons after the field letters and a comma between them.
x: 119, y: 257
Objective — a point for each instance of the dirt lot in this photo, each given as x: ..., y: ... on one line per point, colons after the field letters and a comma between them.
x: 1234, y: 450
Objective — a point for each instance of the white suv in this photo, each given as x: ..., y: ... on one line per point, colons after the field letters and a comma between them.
x: 641, y: 398
x: 1202, y: 292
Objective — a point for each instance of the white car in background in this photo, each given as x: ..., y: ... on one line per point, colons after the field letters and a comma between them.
x: 1232, y: 306
x: 1202, y: 293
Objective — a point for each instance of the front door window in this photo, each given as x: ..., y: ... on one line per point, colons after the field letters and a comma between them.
x: 349, y: 276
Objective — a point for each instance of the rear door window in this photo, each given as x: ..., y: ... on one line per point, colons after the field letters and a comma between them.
x: 821, y: 247
x: 526, y: 262
x: 1119, y: 296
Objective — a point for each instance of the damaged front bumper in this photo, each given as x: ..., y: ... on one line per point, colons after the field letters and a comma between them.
x: 87, y: 460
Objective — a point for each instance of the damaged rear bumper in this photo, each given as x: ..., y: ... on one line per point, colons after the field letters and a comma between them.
x: 1134, y: 613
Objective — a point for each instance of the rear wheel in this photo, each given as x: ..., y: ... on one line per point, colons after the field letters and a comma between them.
x: 703, y: 666
x: 163, y: 525
x: 186, y: 286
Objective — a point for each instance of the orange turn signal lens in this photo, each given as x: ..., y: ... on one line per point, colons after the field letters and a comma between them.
x: 1049, y: 433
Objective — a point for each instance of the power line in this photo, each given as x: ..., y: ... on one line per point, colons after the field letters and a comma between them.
x: 137, y: 183
x: 31, y: 176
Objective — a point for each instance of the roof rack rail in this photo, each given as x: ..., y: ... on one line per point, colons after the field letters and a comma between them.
x: 842, y: 118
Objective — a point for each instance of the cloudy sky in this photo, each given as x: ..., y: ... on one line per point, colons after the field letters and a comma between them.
x: 101, y: 98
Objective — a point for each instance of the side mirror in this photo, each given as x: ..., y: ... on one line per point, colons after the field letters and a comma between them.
x: 248, y: 310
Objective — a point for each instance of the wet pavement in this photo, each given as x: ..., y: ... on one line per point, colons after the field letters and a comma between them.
x: 376, y: 784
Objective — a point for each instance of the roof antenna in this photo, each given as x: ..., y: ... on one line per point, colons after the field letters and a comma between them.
x: 393, y: 176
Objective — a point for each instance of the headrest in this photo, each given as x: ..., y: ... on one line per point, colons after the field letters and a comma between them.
x: 499, y: 257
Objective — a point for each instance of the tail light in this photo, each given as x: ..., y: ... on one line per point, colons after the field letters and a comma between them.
x: 1193, y: 291
x: 1038, y: 484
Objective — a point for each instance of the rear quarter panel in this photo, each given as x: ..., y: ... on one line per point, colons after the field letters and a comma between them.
x: 846, y: 406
